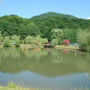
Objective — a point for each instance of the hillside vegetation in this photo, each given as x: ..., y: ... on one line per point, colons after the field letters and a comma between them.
x: 52, y: 26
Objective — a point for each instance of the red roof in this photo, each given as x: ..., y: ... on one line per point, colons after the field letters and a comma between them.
x: 66, y: 41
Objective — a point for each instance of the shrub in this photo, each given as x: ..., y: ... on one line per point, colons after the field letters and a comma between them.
x: 7, y: 42
x: 15, y: 41
x: 1, y: 39
x: 35, y: 40
x: 29, y: 40
x: 83, y: 38
x: 12, y: 85
x: 54, y: 42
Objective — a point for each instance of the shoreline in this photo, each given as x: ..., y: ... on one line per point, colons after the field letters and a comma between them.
x: 16, y: 88
x: 56, y: 47
x: 21, y: 88
x: 66, y: 47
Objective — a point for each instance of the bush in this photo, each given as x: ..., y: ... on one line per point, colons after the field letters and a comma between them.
x: 45, y: 40
x: 1, y: 39
x: 15, y: 41
x: 40, y: 40
x: 7, y: 42
x: 12, y: 85
x: 83, y: 38
x: 29, y: 40
x: 35, y: 40
x: 54, y: 42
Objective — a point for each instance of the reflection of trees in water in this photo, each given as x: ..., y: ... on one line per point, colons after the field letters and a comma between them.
x: 48, y: 63
x: 10, y: 52
x: 17, y: 52
x: 36, y: 53
x: 56, y: 56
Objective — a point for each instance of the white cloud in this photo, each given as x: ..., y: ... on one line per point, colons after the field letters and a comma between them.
x: 88, y: 18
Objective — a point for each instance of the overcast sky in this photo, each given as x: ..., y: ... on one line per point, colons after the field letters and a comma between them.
x: 29, y: 8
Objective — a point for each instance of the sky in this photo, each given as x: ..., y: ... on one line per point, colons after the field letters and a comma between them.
x: 29, y: 8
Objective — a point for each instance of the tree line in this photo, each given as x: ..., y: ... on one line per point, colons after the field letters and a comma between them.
x: 54, y: 28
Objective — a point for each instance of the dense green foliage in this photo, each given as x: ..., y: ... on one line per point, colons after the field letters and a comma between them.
x: 11, y: 41
x: 84, y: 39
x: 54, y: 14
x: 38, y: 41
x: 54, y: 42
x: 15, y: 41
x: 7, y: 42
x: 51, y: 21
x: 52, y: 26
x: 40, y: 25
x: 70, y: 34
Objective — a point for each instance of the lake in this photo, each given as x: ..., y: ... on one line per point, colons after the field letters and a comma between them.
x: 45, y: 68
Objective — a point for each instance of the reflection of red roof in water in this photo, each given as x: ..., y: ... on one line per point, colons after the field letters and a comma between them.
x: 65, y: 51
x: 66, y: 42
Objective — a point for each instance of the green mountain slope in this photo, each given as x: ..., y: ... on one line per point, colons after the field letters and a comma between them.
x: 42, y: 24
x: 54, y: 14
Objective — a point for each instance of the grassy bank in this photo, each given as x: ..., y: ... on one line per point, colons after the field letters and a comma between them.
x: 66, y: 47
x: 17, y: 88
x: 34, y: 46
x: 13, y: 86
x: 20, y: 88
x: 25, y: 46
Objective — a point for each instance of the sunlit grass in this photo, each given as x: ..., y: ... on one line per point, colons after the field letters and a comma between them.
x: 13, y: 86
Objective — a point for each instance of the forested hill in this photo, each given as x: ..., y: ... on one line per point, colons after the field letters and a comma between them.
x: 53, y: 14
x: 40, y: 25
x: 56, y: 20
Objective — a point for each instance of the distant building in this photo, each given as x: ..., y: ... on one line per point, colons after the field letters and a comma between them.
x: 66, y: 42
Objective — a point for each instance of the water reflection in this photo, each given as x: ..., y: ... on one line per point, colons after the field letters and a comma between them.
x: 48, y: 63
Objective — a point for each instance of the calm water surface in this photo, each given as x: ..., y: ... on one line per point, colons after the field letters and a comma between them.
x: 46, y: 68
